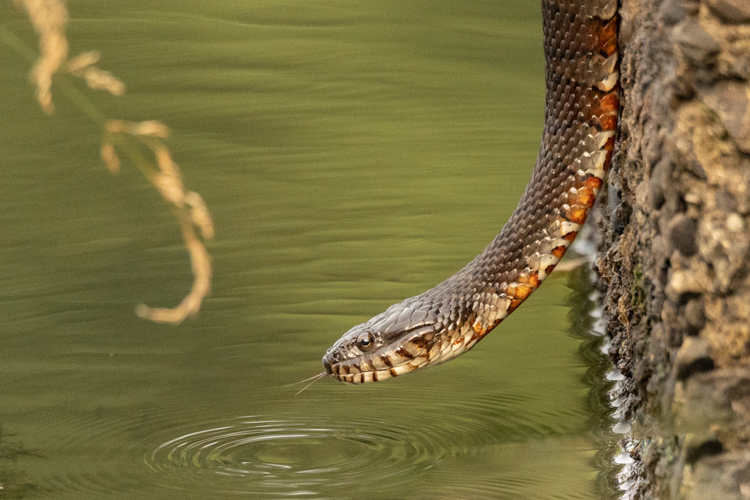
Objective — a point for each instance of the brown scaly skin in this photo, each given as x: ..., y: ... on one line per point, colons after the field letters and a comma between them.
x: 582, y: 101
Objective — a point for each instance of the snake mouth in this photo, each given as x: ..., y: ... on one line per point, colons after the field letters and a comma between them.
x: 404, y: 356
x: 363, y: 372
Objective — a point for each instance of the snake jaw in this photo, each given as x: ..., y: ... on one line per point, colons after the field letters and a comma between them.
x: 395, y: 353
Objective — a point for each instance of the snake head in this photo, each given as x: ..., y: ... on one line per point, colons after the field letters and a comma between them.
x: 393, y: 343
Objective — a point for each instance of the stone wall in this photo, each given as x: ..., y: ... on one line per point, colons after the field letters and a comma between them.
x: 674, y: 231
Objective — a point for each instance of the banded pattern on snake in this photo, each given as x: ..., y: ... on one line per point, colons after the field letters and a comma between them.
x: 581, y: 112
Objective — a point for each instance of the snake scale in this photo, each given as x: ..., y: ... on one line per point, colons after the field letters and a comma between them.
x: 581, y: 112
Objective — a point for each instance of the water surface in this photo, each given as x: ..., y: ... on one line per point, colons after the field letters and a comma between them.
x: 352, y: 153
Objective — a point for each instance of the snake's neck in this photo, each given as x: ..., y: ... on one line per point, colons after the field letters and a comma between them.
x: 582, y: 97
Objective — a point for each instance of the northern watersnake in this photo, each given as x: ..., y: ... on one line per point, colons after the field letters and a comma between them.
x: 581, y: 112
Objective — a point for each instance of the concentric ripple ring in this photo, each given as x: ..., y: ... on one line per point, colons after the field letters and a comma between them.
x: 256, y: 454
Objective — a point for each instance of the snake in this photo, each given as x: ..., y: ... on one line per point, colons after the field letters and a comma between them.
x: 582, y: 95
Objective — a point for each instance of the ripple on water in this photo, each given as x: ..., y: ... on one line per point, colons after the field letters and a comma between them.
x: 290, y: 453
x: 294, y: 456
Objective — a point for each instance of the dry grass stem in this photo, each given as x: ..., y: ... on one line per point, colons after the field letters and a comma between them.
x: 82, y: 66
x: 110, y: 157
x: 50, y: 18
x: 192, y: 211
x: 202, y: 272
x: 83, y: 60
x: 150, y: 128
x: 168, y: 180
x: 99, y: 79
x: 199, y: 214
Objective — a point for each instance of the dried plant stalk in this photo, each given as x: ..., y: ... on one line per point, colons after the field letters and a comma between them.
x: 150, y: 128
x: 49, y: 18
x: 110, y: 157
x: 191, y: 212
x: 81, y: 61
x: 199, y: 214
x: 202, y: 272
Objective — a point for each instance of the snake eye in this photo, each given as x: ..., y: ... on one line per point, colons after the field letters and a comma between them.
x: 365, y: 341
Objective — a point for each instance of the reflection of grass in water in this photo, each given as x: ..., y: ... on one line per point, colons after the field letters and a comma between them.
x: 13, y: 482
x: 50, y: 18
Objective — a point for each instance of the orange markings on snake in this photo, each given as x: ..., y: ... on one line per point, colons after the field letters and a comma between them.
x: 570, y: 237
x: 534, y: 279
x: 587, y: 195
x: 608, y: 122
x: 609, y: 34
x: 559, y: 251
x: 576, y: 214
x: 593, y: 182
x: 514, y: 303
x: 610, y: 102
x: 522, y: 291
x: 607, y: 161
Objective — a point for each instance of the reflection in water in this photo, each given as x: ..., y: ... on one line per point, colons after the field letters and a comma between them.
x: 14, y: 482
x: 586, y: 324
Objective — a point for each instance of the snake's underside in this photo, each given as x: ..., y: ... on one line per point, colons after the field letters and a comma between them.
x: 582, y: 101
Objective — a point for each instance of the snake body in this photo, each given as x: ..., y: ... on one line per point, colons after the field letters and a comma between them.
x: 581, y: 112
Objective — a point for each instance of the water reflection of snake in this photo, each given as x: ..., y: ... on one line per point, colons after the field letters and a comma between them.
x: 582, y: 101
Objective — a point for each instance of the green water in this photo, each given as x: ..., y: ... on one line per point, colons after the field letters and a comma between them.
x: 352, y: 153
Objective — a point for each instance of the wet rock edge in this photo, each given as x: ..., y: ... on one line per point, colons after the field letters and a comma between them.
x: 674, y: 246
